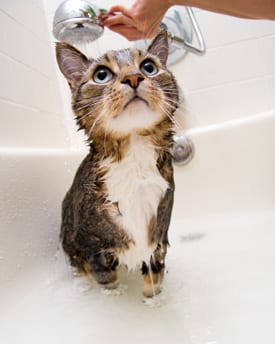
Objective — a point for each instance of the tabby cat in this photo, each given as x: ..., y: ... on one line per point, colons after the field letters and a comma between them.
x: 118, y: 209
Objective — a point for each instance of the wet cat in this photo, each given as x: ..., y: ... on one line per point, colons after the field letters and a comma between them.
x: 118, y: 209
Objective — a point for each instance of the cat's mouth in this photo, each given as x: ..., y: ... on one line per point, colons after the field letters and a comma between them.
x: 135, y: 100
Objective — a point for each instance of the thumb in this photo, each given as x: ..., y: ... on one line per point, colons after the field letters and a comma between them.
x: 120, y: 8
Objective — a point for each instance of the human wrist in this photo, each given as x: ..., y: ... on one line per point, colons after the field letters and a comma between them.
x: 179, y: 2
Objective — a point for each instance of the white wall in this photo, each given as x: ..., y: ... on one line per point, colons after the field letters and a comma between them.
x: 235, y: 79
x: 30, y: 103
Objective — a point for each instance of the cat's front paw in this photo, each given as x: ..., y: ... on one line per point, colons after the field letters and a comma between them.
x: 152, y: 284
x: 111, y: 285
x: 103, y: 267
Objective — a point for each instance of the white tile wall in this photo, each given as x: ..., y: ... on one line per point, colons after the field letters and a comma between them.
x: 229, y: 101
x: 23, y: 126
x: 231, y: 63
x: 235, y: 79
x: 30, y: 103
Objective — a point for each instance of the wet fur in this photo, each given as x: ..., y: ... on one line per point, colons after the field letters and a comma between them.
x: 118, y: 208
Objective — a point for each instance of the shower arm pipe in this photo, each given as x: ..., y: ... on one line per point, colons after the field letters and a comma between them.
x: 180, y: 42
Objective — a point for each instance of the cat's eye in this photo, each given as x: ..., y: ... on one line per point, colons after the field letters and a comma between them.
x: 148, y: 67
x: 102, y: 75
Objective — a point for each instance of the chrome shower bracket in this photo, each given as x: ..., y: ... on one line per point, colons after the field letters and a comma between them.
x: 182, y: 42
x: 181, y: 26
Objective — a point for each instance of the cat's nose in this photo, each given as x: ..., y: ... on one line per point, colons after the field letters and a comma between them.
x: 133, y: 80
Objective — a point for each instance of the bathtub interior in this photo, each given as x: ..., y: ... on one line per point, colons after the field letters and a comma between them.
x: 220, y: 279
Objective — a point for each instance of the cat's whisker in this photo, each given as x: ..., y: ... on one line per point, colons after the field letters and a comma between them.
x: 87, y: 105
x: 172, y: 118
x: 91, y: 97
x: 173, y: 104
x: 95, y: 122
x: 168, y: 113
x: 85, y: 115
x: 167, y: 84
x: 88, y: 99
x: 105, y: 135
x: 169, y: 90
x: 167, y: 94
x: 171, y: 101
x: 178, y: 126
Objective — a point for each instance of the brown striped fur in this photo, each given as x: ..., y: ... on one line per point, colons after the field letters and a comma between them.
x: 91, y: 233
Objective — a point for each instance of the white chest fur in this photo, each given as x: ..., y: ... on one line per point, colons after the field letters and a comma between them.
x: 136, y: 184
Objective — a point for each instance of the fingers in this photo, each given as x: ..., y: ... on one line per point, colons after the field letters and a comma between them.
x: 130, y: 23
x: 130, y: 32
x: 122, y: 9
x: 120, y: 21
x: 117, y: 19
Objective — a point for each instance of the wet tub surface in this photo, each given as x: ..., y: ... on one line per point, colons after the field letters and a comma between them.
x: 219, y: 288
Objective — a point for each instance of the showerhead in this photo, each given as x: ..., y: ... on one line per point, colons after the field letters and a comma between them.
x: 77, y: 21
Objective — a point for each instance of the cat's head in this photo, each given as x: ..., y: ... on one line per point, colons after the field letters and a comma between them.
x: 121, y: 92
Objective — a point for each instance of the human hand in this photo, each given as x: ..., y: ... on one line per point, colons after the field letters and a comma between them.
x: 139, y: 21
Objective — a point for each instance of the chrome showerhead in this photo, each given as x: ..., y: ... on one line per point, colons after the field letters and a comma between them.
x: 77, y: 21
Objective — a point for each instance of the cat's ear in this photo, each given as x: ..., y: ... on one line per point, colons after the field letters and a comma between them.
x: 159, y: 47
x: 72, y: 63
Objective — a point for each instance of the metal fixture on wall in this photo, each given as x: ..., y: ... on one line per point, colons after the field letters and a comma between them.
x: 183, y: 149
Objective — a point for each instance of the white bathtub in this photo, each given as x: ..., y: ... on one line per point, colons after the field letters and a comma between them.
x: 220, y: 281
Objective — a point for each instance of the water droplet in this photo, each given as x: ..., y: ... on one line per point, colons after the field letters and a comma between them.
x: 120, y: 290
